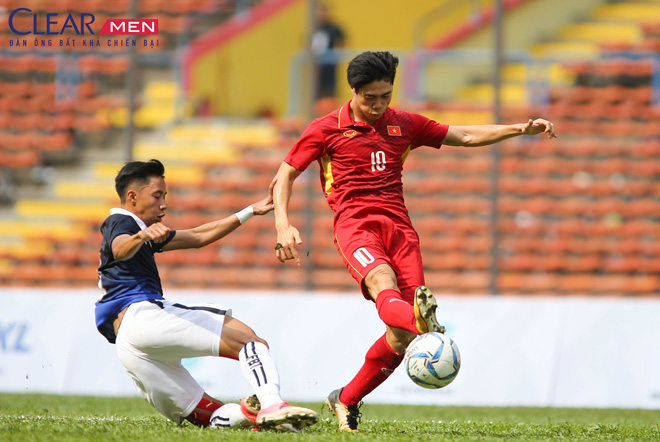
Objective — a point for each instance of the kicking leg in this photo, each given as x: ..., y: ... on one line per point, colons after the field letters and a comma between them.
x: 392, y: 309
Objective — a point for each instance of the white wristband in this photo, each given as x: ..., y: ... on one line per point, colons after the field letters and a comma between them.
x: 245, y: 214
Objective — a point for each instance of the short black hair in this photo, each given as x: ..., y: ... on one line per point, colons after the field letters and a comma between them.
x: 137, y: 171
x: 371, y: 66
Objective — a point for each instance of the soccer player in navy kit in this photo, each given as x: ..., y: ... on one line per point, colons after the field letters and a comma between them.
x: 153, y: 334
x: 361, y: 148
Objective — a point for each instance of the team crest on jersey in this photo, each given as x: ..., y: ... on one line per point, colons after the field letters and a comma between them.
x: 394, y: 131
x: 350, y: 133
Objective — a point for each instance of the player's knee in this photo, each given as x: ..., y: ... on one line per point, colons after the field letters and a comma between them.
x: 251, y: 336
x: 258, y: 339
x: 381, y: 278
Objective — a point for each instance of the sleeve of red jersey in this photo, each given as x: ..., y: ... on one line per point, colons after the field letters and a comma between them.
x: 428, y: 132
x: 308, y: 148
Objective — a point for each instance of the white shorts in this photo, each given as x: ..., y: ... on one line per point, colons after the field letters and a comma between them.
x: 153, y: 338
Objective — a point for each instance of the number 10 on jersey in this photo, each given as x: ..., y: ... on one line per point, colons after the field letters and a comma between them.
x: 378, y: 161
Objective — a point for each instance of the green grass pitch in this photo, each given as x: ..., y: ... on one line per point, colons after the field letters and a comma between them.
x: 31, y: 417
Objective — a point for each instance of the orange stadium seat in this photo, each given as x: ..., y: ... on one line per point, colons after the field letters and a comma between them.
x: 643, y: 284
x: 262, y: 277
x: 152, y: 6
x: 442, y: 281
x: 611, y: 284
x: 622, y: 263
x: 41, y: 274
x: 577, y: 284
x: 328, y: 258
x: 650, y: 265
x: 473, y: 282
x: 518, y: 262
x: 189, y: 276
x: 510, y: 282
x: 454, y: 282
x: 118, y: 7
x: 331, y: 279
x: 442, y: 243
x: 290, y: 276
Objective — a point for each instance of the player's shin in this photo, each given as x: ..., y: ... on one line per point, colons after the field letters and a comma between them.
x: 380, y: 362
x: 394, y: 311
x: 260, y: 371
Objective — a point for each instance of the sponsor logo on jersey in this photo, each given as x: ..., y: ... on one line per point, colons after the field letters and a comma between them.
x: 350, y: 133
x: 394, y: 131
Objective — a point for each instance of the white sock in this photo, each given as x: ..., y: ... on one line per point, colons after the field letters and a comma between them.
x: 229, y: 415
x: 260, y: 371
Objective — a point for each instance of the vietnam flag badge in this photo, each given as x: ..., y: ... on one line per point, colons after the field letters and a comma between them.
x: 394, y: 131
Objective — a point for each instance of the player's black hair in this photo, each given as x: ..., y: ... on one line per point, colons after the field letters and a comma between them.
x: 371, y: 66
x: 137, y: 171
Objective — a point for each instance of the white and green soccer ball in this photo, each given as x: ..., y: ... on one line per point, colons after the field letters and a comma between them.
x: 432, y: 360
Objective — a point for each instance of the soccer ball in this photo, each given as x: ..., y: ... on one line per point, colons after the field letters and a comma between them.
x: 432, y: 360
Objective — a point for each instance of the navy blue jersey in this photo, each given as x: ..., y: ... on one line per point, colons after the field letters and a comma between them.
x: 125, y: 282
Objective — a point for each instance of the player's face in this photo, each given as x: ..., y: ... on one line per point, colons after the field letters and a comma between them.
x: 149, y: 203
x: 371, y: 101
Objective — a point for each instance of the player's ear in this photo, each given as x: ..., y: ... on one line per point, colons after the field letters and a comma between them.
x: 131, y: 196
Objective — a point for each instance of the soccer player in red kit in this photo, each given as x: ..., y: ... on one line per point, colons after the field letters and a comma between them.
x: 361, y: 148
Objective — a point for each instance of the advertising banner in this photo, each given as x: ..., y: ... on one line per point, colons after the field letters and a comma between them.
x: 534, y: 351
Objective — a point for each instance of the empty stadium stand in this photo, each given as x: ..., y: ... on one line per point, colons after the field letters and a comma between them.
x: 578, y: 215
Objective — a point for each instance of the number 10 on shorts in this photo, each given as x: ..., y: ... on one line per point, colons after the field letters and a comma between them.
x: 363, y: 256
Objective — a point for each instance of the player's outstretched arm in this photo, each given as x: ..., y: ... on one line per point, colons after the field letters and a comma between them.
x: 288, y: 236
x: 205, y: 234
x: 483, y: 135
x: 126, y: 246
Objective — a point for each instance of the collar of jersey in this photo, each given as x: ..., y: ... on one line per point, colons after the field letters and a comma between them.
x: 344, y: 119
x: 118, y: 211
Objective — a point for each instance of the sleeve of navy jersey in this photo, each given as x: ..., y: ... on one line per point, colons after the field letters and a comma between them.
x: 121, y: 225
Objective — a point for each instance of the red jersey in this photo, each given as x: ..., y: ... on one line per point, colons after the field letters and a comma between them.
x: 361, y: 165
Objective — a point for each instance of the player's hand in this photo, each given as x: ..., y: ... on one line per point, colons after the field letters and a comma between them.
x: 264, y: 206
x: 157, y: 232
x: 288, y: 238
x: 535, y: 127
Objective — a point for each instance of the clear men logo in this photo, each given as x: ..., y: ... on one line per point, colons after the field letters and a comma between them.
x: 52, y: 24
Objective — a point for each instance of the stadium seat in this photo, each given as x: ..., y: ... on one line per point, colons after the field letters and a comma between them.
x: 637, y: 284
x: 339, y: 280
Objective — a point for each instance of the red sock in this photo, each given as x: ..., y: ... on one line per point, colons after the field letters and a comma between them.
x: 380, y: 362
x: 394, y: 311
x: 201, y: 416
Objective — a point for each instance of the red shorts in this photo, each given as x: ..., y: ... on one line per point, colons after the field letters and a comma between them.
x: 366, y: 242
